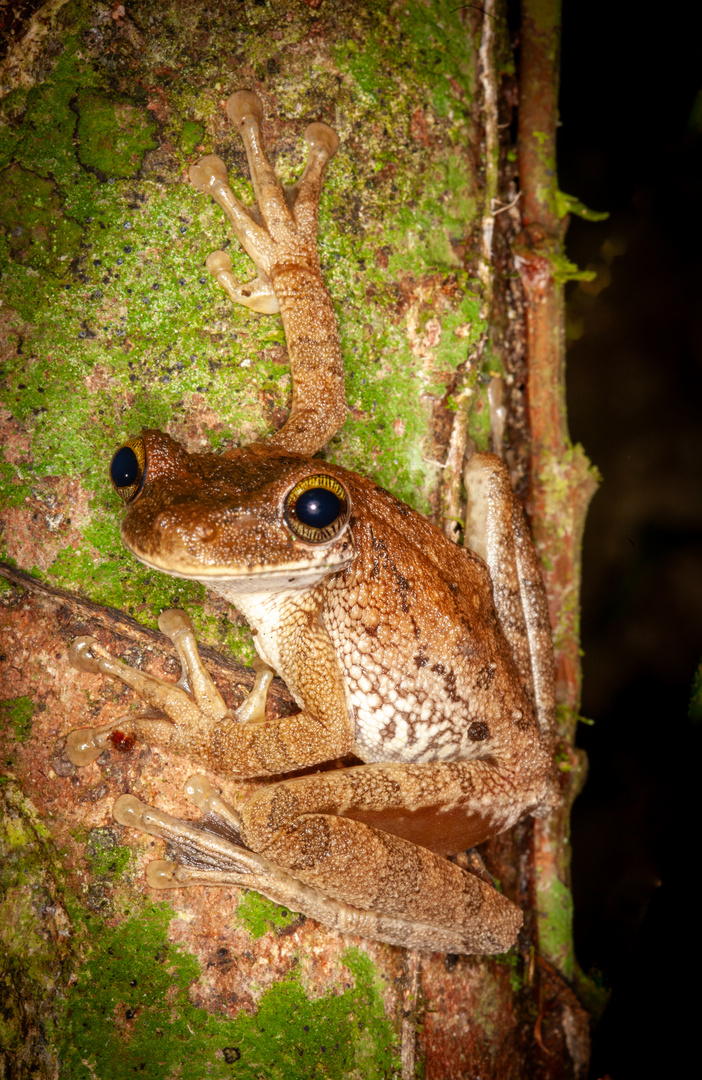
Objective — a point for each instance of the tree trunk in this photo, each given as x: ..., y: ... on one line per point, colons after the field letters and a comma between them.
x: 109, y: 324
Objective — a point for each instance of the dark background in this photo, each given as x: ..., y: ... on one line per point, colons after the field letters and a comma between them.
x: 631, y: 143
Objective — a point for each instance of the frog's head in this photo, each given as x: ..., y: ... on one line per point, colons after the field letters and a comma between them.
x: 249, y: 520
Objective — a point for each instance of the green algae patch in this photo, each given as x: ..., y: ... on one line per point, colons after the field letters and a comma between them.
x: 17, y: 713
x: 427, y: 43
x: 113, y: 136
x: 34, y: 929
x: 129, y: 1013
x: 107, y: 857
x: 31, y: 214
x: 556, y: 925
x: 192, y: 133
x: 260, y: 915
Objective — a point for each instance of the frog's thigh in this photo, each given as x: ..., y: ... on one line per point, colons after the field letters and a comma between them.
x: 373, y: 869
x: 445, y: 806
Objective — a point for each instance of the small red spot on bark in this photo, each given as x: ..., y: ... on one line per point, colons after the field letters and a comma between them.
x: 122, y: 742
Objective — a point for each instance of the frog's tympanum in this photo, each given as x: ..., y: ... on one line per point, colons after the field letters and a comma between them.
x: 430, y: 662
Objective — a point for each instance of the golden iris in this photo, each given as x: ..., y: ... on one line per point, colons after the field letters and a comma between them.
x: 317, y: 508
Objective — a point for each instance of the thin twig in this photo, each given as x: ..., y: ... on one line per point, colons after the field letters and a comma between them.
x: 509, y: 206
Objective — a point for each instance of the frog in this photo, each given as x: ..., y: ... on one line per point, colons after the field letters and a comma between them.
x: 429, y: 661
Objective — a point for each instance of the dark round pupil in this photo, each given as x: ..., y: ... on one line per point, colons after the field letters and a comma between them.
x: 125, y: 468
x: 318, y: 507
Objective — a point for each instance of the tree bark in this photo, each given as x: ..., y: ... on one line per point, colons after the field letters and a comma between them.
x: 109, y: 323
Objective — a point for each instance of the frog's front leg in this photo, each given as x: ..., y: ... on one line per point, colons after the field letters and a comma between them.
x: 190, y: 717
x: 279, y: 233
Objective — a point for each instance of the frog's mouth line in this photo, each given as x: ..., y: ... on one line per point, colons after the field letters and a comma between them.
x: 250, y: 579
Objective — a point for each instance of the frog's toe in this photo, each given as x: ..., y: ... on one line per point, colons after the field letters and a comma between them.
x: 84, y: 745
x: 258, y: 294
x: 129, y: 810
x: 80, y: 655
x: 161, y: 874
x: 172, y: 621
x: 243, y: 106
x: 322, y: 139
x: 209, y: 170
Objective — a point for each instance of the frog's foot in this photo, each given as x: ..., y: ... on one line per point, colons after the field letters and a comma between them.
x: 193, y: 703
x: 214, y: 845
x: 281, y: 227
x: 211, y: 852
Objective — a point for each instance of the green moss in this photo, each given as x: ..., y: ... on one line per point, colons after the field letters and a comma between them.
x: 129, y: 1013
x: 31, y: 213
x: 113, y: 136
x: 556, y: 925
x: 260, y: 915
x: 191, y: 134
x: 107, y: 858
x: 568, y: 204
x: 30, y: 887
x: 17, y: 713
x: 12, y: 491
x: 564, y: 270
x: 426, y: 45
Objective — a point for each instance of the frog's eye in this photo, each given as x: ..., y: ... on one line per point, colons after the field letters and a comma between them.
x: 128, y: 468
x: 317, y: 508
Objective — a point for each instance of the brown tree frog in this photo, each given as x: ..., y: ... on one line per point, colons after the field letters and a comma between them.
x: 430, y: 662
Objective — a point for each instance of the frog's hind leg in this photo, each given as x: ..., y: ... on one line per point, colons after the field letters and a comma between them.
x: 375, y: 836
x: 436, y: 905
x: 497, y: 531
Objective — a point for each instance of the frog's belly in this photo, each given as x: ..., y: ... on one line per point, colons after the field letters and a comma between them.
x: 392, y: 725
